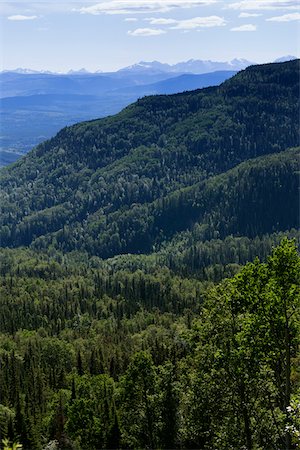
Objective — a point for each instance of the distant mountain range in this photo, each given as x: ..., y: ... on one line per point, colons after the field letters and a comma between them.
x: 196, y: 66
x: 50, y: 101
x: 285, y: 58
x: 192, y: 66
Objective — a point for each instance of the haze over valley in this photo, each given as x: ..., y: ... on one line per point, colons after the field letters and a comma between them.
x: 51, y: 101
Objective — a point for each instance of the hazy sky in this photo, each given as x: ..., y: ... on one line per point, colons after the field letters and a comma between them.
x: 108, y: 35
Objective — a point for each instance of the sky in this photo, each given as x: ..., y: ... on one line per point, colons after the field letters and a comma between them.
x: 108, y: 35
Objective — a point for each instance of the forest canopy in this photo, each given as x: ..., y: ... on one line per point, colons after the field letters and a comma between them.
x: 149, y: 269
x: 95, y: 360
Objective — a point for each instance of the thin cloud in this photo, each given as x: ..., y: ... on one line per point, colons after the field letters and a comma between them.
x: 146, y: 32
x: 20, y: 17
x: 161, y: 21
x: 131, y: 19
x: 248, y: 27
x: 141, y: 6
x: 264, y: 5
x: 199, y: 22
x: 42, y: 7
x: 244, y: 15
x: 285, y: 18
x: 189, y: 24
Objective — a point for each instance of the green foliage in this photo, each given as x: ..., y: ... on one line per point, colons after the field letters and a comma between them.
x: 113, y: 331
x: 90, y: 413
x: 293, y: 426
x: 202, y: 366
x: 13, y: 446
x: 244, y: 349
x: 128, y: 183
x: 139, y: 411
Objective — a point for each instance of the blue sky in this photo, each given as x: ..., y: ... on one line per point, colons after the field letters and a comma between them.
x: 108, y: 35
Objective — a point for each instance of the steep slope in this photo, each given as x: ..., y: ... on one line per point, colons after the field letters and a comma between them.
x: 257, y: 197
x: 51, y: 102
x: 77, y: 188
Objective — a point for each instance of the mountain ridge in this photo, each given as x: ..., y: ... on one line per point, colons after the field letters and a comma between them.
x: 94, y: 183
x: 208, y: 65
x: 194, y: 66
x: 189, y: 66
x: 51, y: 102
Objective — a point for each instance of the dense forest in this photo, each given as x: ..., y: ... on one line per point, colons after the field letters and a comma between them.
x: 93, y: 358
x: 136, y: 171
x: 149, y: 267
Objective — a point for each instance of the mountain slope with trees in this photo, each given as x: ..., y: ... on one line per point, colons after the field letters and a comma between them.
x: 92, y: 359
x: 51, y: 102
x: 134, y: 312
x: 91, y: 174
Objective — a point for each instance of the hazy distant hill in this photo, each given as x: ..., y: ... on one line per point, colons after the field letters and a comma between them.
x: 50, y: 102
x: 181, y: 83
x: 213, y: 160
x: 57, y: 99
x: 16, y: 84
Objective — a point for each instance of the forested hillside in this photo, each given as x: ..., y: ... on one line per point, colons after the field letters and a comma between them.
x: 149, y: 275
x: 91, y: 358
x: 126, y: 172
x: 52, y: 101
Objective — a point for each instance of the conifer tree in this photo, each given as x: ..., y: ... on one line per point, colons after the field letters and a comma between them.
x: 80, y: 370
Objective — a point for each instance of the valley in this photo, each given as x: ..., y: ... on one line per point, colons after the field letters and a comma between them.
x: 149, y: 267
x: 50, y: 102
